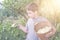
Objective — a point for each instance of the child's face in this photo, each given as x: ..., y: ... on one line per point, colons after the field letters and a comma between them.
x: 31, y: 14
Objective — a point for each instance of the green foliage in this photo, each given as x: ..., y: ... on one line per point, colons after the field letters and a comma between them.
x: 18, y: 6
x: 9, y: 33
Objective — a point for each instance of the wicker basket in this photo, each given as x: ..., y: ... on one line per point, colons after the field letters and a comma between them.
x: 42, y: 28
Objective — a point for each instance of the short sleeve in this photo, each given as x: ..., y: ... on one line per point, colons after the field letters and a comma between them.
x: 44, y: 19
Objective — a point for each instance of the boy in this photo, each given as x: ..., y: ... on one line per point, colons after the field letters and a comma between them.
x: 32, y: 11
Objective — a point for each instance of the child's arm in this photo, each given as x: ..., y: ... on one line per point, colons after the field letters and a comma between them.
x: 23, y: 28
x: 51, y: 33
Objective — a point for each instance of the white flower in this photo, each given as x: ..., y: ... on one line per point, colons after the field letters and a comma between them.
x: 44, y: 30
x: 13, y: 25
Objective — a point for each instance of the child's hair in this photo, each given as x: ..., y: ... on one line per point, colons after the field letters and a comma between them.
x: 32, y: 6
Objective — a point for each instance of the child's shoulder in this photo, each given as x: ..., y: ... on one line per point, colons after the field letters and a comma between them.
x: 43, y: 18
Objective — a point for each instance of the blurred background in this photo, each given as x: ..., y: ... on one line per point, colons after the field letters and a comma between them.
x: 13, y: 11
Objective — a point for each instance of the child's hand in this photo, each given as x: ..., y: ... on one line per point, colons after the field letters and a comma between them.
x: 19, y: 26
x: 48, y: 35
x: 22, y: 28
x: 51, y: 33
